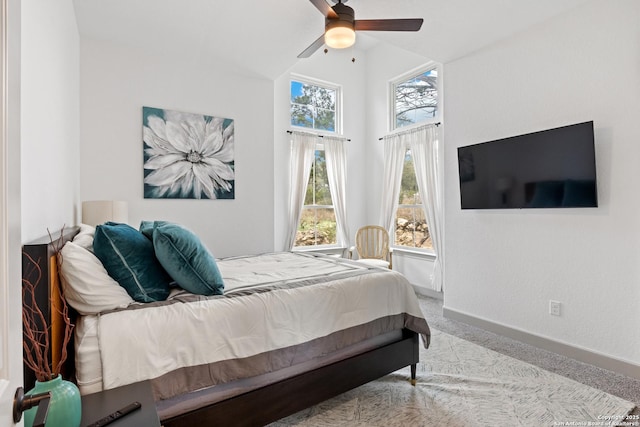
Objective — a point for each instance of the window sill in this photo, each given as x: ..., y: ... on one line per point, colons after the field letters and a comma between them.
x: 319, y: 249
x: 414, y: 252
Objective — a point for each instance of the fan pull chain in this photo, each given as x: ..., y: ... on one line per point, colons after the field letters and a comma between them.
x: 353, y: 58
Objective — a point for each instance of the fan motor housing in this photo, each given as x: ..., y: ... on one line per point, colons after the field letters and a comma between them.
x: 345, y: 14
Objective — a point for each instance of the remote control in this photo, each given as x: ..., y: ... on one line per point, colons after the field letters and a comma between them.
x: 116, y: 415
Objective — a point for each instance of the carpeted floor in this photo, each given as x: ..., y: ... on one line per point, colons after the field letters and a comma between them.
x: 610, y: 382
x: 471, y: 377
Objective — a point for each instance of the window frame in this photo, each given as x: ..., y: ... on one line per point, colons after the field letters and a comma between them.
x: 319, y: 147
x: 393, y: 129
x: 338, y: 102
x: 391, y: 95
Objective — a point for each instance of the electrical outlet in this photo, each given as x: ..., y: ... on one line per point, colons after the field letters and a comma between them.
x: 554, y: 308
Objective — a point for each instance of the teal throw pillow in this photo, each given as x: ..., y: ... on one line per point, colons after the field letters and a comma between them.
x: 184, y: 257
x: 129, y: 258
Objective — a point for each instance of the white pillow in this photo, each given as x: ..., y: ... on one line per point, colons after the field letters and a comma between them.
x: 84, y: 237
x: 87, y: 286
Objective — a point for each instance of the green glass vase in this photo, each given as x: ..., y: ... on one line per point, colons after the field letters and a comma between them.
x: 65, y: 408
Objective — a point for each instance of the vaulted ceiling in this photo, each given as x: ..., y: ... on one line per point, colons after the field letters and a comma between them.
x: 264, y: 37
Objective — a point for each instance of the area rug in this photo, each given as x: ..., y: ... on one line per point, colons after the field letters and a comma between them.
x: 463, y: 384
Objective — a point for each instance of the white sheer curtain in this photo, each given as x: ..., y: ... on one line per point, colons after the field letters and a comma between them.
x: 394, y: 152
x: 424, y: 149
x: 303, y: 147
x: 336, y: 156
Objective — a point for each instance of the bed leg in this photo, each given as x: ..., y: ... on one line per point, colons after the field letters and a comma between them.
x: 413, y: 374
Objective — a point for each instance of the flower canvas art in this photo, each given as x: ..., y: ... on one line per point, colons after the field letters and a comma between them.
x: 187, y: 156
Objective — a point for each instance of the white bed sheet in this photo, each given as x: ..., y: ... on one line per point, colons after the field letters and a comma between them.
x: 122, y: 347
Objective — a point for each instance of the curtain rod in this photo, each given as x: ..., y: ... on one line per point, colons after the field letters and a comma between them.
x: 313, y: 134
x: 409, y: 130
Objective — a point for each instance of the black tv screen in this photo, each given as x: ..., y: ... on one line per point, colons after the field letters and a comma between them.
x: 553, y: 168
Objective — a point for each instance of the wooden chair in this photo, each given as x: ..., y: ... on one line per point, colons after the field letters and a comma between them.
x: 372, y: 246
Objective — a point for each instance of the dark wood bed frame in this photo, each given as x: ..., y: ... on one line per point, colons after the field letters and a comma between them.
x: 263, y: 405
x: 276, y: 401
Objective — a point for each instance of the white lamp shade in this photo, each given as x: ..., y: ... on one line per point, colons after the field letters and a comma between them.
x: 339, y: 36
x: 96, y: 212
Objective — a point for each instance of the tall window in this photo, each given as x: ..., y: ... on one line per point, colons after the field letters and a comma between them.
x: 411, y: 229
x: 317, y: 220
x: 314, y: 105
x: 415, y: 98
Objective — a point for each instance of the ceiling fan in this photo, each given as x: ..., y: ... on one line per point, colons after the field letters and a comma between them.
x: 341, y: 25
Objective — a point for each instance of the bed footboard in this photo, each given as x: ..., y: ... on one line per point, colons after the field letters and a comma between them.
x: 271, y: 403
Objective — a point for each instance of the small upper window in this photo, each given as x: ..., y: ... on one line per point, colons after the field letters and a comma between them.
x: 415, y: 98
x: 314, y: 106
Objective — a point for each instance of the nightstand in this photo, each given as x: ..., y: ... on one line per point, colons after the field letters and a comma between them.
x: 98, y: 405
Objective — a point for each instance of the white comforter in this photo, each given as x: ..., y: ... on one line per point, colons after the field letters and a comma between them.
x: 145, y: 343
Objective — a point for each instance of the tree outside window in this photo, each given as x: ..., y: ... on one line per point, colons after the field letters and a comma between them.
x: 313, y: 106
x: 317, y: 220
x: 416, y: 99
x: 411, y: 229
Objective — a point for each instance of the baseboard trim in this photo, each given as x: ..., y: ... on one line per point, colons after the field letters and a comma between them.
x: 430, y: 293
x: 581, y: 354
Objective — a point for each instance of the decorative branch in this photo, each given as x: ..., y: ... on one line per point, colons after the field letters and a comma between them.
x: 36, y: 331
x: 36, y: 328
x: 63, y: 309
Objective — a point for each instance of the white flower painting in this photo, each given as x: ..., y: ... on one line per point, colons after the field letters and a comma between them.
x: 187, y: 156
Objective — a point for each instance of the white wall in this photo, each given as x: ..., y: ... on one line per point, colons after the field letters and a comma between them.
x: 117, y: 81
x: 50, y: 122
x: 364, y: 85
x: 505, y: 266
x: 334, y: 67
x: 385, y: 63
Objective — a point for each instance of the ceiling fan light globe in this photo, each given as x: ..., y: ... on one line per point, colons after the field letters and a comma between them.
x: 339, y: 37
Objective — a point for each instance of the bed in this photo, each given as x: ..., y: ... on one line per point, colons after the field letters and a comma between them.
x: 289, y: 331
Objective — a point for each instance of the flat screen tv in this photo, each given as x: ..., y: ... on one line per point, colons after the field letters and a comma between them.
x: 553, y: 168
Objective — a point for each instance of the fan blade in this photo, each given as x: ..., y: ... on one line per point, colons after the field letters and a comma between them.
x: 324, y: 8
x: 389, y: 24
x: 312, y: 47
